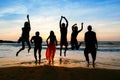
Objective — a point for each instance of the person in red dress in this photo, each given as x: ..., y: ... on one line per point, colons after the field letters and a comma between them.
x: 51, y: 47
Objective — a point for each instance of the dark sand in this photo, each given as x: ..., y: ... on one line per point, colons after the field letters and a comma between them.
x: 47, y: 72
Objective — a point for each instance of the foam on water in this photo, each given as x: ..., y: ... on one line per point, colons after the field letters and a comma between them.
x: 108, y: 56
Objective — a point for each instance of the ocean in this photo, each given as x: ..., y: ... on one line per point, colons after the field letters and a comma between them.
x: 108, y: 56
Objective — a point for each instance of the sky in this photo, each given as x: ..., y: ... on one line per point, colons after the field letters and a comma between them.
x: 103, y: 15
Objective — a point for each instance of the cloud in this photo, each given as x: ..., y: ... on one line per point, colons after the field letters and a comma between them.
x: 18, y: 9
x: 45, y: 16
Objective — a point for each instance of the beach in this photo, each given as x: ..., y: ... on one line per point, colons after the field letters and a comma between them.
x: 51, y: 25
x: 57, y: 73
x: 72, y: 67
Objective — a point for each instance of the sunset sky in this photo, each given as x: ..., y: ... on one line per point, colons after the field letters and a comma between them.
x: 103, y: 15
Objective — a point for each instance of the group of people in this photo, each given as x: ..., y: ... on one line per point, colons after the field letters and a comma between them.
x: 90, y: 39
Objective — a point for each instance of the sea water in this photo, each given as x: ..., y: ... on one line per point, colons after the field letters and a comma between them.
x: 108, y: 56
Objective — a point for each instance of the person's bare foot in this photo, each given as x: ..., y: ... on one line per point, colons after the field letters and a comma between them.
x: 16, y: 54
x: 29, y: 50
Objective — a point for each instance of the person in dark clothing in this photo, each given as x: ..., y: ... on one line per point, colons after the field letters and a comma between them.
x: 37, y: 40
x: 91, y: 45
x: 75, y: 31
x: 25, y: 36
x: 63, y: 31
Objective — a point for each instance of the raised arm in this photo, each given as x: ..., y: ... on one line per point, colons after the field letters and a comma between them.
x: 81, y: 27
x: 28, y: 20
x: 60, y: 25
x: 66, y: 22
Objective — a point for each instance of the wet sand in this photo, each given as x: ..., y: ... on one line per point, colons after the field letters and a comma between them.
x: 47, y: 72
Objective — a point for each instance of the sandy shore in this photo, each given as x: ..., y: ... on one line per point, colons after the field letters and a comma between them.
x: 47, y: 72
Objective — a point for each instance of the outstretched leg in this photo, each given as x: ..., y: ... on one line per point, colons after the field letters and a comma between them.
x: 93, y: 53
x: 61, y: 46
x: 65, y: 50
x: 78, y: 45
x: 29, y: 46
x: 86, y: 56
x: 39, y: 52
x: 23, y: 47
x: 35, y: 55
x: 61, y: 50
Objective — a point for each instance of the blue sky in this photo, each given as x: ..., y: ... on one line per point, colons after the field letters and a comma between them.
x: 103, y: 15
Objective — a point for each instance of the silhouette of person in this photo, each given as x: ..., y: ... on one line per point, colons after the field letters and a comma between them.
x: 51, y: 42
x: 25, y: 36
x: 75, y: 31
x: 91, y: 45
x: 37, y: 40
x: 63, y: 31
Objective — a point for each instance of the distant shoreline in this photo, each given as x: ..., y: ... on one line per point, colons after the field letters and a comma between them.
x: 10, y: 41
x: 7, y: 41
